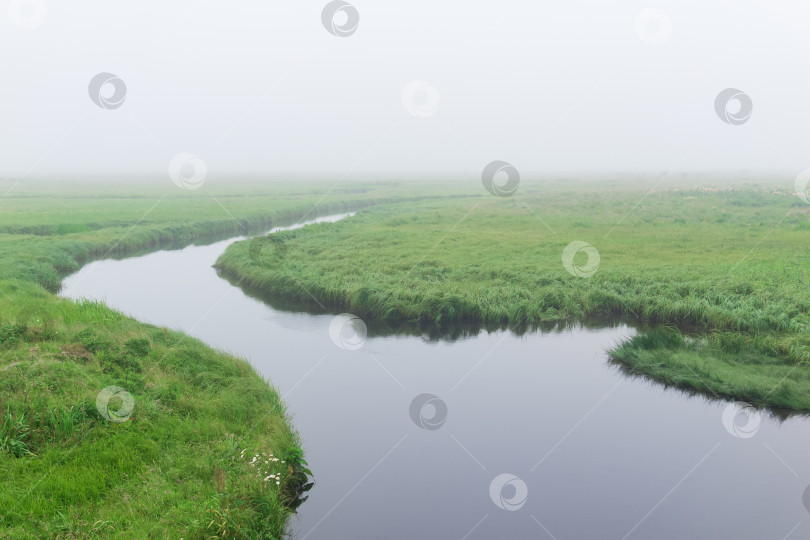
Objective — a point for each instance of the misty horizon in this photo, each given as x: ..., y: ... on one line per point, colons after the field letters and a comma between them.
x: 431, y: 92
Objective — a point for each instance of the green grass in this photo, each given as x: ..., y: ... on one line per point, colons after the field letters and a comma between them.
x: 729, y: 365
x: 48, y: 231
x: 731, y: 260
x: 70, y: 472
x: 179, y: 466
x: 731, y: 266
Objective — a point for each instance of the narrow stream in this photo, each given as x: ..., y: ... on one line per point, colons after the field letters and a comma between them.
x: 589, y: 452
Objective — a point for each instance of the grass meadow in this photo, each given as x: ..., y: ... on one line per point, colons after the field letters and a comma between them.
x: 724, y: 268
x: 717, y: 277
x: 179, y: 463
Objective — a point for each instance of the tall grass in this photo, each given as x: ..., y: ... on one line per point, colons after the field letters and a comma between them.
x: 13, y: 432
x: 730, y: 263
x: 170, y: 469
x: 729, y: 365
x: 60, y: 456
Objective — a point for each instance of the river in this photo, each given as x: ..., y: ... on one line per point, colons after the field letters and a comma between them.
x: 494, y: 435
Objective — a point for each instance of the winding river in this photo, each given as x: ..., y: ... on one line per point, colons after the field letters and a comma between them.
x: 489, y: 436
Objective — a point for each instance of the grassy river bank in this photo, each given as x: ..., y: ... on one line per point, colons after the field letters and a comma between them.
x: 112, y: 427
x: 115, y: 427
x: 727, y: 262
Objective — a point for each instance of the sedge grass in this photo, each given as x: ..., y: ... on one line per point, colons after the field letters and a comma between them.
x: 730, y: 260
x: 176, y: 467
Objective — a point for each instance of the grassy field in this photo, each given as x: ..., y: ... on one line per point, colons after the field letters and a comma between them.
x: 178, y: 464
x: 166, y: 453
x: 727, y: 266
x: 173, y: 467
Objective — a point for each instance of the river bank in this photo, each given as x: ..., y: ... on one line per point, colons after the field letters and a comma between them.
x: 98, y: 407
x: 687, y: 258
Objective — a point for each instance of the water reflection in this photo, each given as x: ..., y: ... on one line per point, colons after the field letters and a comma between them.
x: 426, y: 331
x: 408, y: 433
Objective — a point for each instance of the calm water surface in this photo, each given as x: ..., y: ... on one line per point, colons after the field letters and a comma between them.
x: 600, y: 455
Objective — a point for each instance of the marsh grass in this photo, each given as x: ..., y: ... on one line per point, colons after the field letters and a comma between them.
x: 166, y: 471
x: 719, y: 365
x: 69, y: 468
x: 730, y: 262
x: 172, y: 469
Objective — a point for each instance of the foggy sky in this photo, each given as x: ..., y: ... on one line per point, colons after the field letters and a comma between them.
x: 262, y: 88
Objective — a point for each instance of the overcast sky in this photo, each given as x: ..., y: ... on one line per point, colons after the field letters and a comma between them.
x: 262, y: 87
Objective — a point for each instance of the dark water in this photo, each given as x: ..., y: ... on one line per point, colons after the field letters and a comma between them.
x: 596, y: 454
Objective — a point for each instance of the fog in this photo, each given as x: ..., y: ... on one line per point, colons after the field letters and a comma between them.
x: 418, y: 89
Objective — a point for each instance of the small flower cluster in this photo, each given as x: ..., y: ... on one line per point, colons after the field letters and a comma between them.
x: 264, y: 466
